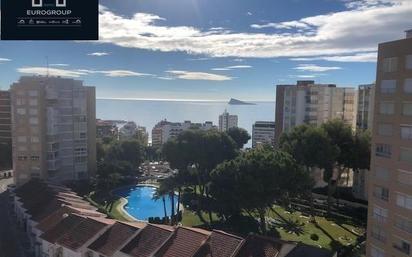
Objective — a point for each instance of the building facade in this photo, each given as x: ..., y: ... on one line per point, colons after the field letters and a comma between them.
x: 227, y: 121
x: 166, y: 130
x: 5, y: 117
x: 54, y: 129
x: 365, y: 105
x: 390, y: 179
x: 311, y: 103
x: 263, y: 132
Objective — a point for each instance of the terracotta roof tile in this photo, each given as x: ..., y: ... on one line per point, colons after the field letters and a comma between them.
x: 220, y: 244
x: 65, y: 225
x: 147, y: 241
x: 115, y: 237
x: 185, y: 242
x: 53, y: 219
x: 257, y: 246
x: 81, y: 233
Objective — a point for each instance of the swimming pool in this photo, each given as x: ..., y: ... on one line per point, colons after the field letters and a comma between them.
x: 141, y: 204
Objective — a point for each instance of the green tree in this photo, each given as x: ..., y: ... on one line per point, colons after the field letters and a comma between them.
x: 255, y: 180
x: 128, y: 151
x: 239, y: 135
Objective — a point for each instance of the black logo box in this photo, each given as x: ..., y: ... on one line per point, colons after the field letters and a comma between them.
x: 49, y: 19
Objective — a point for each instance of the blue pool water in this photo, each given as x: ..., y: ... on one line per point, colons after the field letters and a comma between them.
x: 141, y: 204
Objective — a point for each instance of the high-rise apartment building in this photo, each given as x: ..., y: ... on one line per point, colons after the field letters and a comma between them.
x: 5, y: 117
x: 54, y: 129
x: 311, y: 103
x: 365, y: 105
x: 390, y: 179
x: 263, y: 132
x: 165, y: 130
x: 227, y: 121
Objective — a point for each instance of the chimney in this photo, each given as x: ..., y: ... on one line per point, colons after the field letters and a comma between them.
x: 408, y: 33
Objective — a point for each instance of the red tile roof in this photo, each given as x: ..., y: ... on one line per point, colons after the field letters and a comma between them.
x: 185, y: 242
x: 257, y: 246
x: 64, y: 226
x: 114, y: 238
x: 81, y: 233
x: 220, y: 244
x: 147, y: 241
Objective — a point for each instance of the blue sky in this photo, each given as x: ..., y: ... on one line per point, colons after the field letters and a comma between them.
x: 217, y: 49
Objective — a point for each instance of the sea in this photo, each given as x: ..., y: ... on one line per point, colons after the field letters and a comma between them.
x: 148, y: 113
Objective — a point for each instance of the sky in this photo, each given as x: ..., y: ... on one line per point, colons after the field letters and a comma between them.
x: 217, y: 49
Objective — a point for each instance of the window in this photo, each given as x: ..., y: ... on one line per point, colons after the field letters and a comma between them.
x: 404, y: 201
x: 380, y: 214
x: 409, y: 62
x: 33, y: 121
x: 407, y: 86
x: 407, y: 109
x: 381, y: 193
x: 387, y: 108
x: 390, y: 64
x: 20, y: 101
x: 385, y: 129
x: 405, y: 177
x: 33, y: 111
x: 378, y: 233
x: 388, y: 86
x: 21, y: 111
x: 406, y: 132
x: 382, y: 173
x: 37, y: 3
x: 33, y: 102
x: 402, y: 246
x: 34, y: 139
x: 22, y: 148
x: 376, y: 252
x: 60, y: 3
x: 383, y: 150
x: 21, y: 139
x: 403, y: 224
x: 406, y: 155
x: 33, y: 93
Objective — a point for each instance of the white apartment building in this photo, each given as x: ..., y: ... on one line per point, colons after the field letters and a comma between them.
x: 311, y: 103
x: 227, y: 121
x: 54, y: 129
x: 263, y: 133
x: 165, y: 130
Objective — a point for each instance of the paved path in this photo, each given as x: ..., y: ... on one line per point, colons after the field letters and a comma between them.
x: 10, y: 243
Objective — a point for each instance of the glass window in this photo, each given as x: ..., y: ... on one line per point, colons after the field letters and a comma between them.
x: 33, y: 111
x: 405, y: 177
x: 406, y: 155
x: 406, y: 132
x: 376, y: 252
x: 378, y: 233
x: 385, y: 129
x: 387, y: 108
x: 407, y: 109
x: 21, y: 139
x: 409, y: 62
x: 382, y: 173
x: 404, y: 201
x: 33, y: 121
x: 33, y: 93
x: 403, y: 224
x: 383, y: 150
x: 20, y: 101
x: 390, y: 64
x: 21, y: 111
x: 388, y: 86
x: 402, y: 245
x: 33, y: 102
x: 407, y: 86
x: 381, y: 193
x: 380, y: 214
x: 34, y: 139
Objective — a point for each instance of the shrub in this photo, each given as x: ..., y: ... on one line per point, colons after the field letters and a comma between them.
x: 314, y: 237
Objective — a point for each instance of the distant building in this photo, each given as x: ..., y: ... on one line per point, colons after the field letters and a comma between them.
x: 263, y: 133
x: 128, y: 130
x: 54, y: 129
x: 106, y: 128
x: 390, y: 179
x: 227, y: 121
x: 360, y: 184
x: 165, y: 130
x: 364, y: 116
x: 5, y: 117
x: 311, y: 103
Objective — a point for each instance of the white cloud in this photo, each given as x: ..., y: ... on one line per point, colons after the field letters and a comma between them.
x: 233, y: 67
x: 315, y: 68
x: 99, y: 54
x: 192, y: 75
x: 5, y: 60
x: 59, y: 65
x: 359, y: 57
x: 334, y: 34
x: 249, y: 13
x: 166, y: 78
x: 283, y: 25
x: 44, y: 71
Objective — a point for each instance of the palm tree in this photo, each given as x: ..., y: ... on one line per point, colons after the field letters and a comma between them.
x: 160, y: 194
